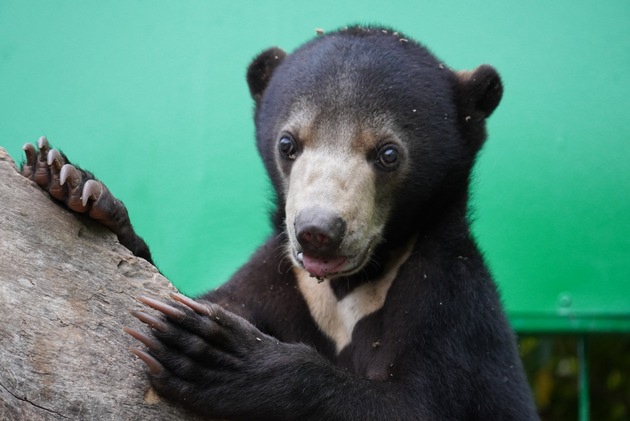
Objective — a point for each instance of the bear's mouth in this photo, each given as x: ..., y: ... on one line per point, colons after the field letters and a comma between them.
x: 321, y: 267
x: 326, y: 267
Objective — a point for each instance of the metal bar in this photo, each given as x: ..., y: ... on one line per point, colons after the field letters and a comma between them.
x: 583, y: 381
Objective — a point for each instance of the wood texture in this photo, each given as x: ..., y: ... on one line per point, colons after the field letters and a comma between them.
x: 66, y: 288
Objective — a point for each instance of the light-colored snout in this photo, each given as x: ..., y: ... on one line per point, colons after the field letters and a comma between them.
x: 332, y: 220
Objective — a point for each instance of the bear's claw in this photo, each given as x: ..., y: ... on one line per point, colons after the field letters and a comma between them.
x: 154, y: 365
x: 91, y: 190
x: 31, y: 156
x: 74, y: 179
x: 71, y: 175
x: 54, y: 157
x: 55, y: 162
x: 145, y: 339
x: 162, y: 307
x: 194, y: 305
x: 149, y: 320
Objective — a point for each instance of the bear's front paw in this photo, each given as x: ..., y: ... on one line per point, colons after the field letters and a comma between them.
x: 78, y: 189
x: 81, y: 192
x: 200, y: 353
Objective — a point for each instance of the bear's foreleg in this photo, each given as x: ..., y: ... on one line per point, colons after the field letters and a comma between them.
x: 220, y: 365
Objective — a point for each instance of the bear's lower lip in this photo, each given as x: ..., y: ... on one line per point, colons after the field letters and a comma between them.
x: 322, y: 267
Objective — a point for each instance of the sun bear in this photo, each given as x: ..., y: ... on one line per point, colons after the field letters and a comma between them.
x: 370, y: 300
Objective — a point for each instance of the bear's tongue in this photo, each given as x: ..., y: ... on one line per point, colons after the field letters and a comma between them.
x: 322, y: 267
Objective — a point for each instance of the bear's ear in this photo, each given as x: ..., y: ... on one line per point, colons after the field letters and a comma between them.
x: 480, y: 90
x: 260, y: 70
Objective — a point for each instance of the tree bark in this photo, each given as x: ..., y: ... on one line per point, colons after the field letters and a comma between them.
x: 66, y: 288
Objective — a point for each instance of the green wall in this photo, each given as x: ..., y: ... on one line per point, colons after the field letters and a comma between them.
x: 151, y: 96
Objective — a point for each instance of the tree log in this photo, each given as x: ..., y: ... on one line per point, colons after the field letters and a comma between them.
x: 66, y: 288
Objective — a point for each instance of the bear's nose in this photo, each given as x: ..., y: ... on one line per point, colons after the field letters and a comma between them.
x: 319, y: 231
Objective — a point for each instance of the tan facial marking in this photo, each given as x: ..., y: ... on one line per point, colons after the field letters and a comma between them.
x: 341, y: 182
x: 333, y: 172
x: 337, y: 318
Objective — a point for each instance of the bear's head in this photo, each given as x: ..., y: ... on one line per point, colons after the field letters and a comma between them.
x: 368, y: 140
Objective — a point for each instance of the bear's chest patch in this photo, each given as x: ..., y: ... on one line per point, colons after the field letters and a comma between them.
x: 337, y: 318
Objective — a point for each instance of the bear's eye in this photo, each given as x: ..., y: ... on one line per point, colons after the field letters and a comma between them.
x: 388, y: 157
x: 287, y: 147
